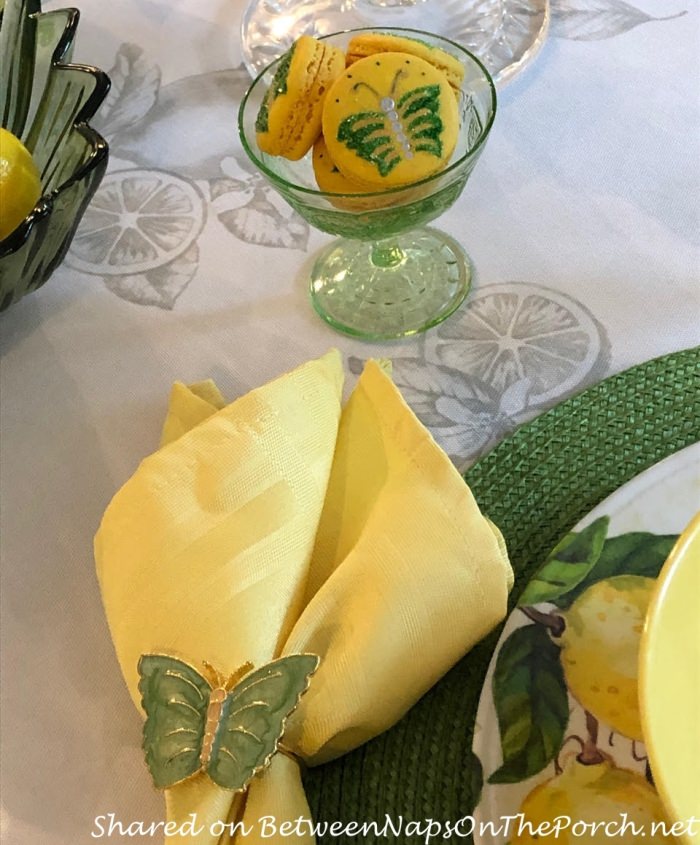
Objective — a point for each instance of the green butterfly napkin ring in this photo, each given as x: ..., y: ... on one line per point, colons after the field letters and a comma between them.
x: 229, y: 728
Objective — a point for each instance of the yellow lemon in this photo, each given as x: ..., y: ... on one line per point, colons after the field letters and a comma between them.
x: 20, y: 183
x: 600, y: 649
x: 600, y: 803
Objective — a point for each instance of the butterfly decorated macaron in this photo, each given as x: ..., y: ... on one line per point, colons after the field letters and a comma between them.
x: 391, y: 119
x: 227, y: 727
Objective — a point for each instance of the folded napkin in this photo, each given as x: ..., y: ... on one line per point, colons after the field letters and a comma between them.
x: 283, y: 525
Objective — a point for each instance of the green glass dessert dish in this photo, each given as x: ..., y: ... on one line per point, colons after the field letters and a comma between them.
x: 388, y: 276
x: 46, y: 102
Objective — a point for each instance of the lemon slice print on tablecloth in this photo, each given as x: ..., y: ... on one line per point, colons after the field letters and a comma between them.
x: 517, y: 331
x: 138, y: 220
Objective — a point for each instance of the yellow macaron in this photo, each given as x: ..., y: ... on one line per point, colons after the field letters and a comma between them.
x: 391, y: 119
x: 332, y: 181
x: 289, y: 120
x: 371, y: 43
x: 328, y: 175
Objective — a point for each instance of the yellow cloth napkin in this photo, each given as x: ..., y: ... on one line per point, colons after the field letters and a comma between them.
x: 277, y: 525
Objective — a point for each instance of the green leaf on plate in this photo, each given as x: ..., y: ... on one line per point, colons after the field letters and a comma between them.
x: 567, y: 565
x: 638, y: 553
x: 531, y: 702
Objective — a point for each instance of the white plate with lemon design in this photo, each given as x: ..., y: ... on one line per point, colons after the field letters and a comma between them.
x: 558, y: 729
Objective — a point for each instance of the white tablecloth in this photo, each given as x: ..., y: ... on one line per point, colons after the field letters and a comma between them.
x: 582, y: 222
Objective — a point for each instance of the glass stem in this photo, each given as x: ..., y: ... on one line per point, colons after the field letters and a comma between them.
x: 387, y: 253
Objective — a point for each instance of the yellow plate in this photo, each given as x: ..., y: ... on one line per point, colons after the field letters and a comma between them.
x: 669, y: 681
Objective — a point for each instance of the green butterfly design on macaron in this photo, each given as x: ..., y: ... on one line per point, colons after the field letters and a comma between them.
x: 391, y: 119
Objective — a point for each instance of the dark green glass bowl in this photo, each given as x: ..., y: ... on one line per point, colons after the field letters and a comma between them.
x: 46, y: 101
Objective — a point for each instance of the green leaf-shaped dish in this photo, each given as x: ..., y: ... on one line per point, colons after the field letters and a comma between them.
x: 46, y: 101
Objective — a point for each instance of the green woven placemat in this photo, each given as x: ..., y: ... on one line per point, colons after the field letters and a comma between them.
x: 536, y: 486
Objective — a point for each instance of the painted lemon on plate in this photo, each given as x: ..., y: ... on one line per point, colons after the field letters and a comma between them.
x: 600, y: 648
x: 593, y: 797
x: 20, y: 183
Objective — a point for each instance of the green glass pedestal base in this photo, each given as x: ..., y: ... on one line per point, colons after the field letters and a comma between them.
x: 392, y: 288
